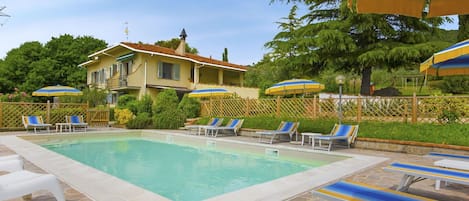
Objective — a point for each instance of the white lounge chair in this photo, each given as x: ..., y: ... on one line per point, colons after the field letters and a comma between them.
x: 76, y: 121
x: 24, y: 182
x: 285, y: 128
x: 340, y: 132
x: 448, y: 156
x: 11, y: 165
x: 10, y: 157
x: 212, y: 123
x: 414, y: 173
x: 35, y: 122
x: 233, y: 126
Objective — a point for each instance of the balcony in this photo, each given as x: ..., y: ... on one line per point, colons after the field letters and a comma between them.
x: 119, y: 83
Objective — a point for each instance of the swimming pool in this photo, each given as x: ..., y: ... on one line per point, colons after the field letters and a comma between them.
x: 299, y: 172
x: 180, y: 172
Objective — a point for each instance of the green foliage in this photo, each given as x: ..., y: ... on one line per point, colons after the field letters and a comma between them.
x: 93, y: 96
x: 124, y: 100
x: 463, y: 32
x: 166, y: 114
x: 456, y: 84
x: 17, y: 96
x: 225, y: 55
x: 33, y: 65
x: 144, y: 105
x: 189, y: 106
x: 332, y: 36
x: 166, y: 100
x: 454, y: 134
x: 169, y: 119
x: 111, y: 114
x: 173, y: 43
x: 123, y: 116
x: 141, y: 121
x: 449, y: 117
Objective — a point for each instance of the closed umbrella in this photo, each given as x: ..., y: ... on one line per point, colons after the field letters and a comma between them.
x: 57, y: 91
x: 453, y: 60
x: 210, y: 92
x: 413, y: 8
x: 294, y: 86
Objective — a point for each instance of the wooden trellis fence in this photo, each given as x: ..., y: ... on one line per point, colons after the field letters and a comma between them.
x: 404, y: 109
x: 11, y: 112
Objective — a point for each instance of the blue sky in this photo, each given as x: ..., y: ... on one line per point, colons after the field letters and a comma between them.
x: 242, y: 26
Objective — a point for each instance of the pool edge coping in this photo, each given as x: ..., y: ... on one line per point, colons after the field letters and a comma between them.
x: 278, y: 189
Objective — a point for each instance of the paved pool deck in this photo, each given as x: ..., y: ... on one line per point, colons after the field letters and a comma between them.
x: 374, y: 175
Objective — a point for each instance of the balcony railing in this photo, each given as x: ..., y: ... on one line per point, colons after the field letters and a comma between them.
x: 113, y: 83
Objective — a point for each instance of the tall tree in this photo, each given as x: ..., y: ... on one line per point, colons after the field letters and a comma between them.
x: 463, y: 31
x: 174, y: 43
x: 33, y: 65
x: 225, y: 55
x: 335, y: 37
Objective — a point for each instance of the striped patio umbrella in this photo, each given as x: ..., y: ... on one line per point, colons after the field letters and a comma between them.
x: 453, y: 60
x: 413, y: 8
x: 294, y: 86
x: 210, y: 92
x: 57, y: 91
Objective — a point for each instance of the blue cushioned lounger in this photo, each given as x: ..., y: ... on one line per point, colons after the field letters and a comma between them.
x: 346, y: 190
x: 443, y: 155
x: 414, y: 173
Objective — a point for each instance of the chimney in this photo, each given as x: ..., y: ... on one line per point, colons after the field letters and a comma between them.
x: 181, y: 50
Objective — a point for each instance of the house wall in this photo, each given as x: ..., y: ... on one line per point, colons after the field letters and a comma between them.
x: 145, y: 71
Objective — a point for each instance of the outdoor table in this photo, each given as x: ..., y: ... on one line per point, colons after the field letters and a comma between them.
x: 310, y: 136
x: 60, y: 126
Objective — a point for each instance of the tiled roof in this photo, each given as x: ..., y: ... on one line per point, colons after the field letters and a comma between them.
x: 169, y: 51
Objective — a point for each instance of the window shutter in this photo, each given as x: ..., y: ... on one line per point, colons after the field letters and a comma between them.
x: 160, y: 69
x: 175, y: 74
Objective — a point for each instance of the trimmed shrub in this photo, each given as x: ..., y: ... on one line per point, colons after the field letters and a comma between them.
x: 142, y: 120
x: 123, y: 116
x: 165, y: 101
x: 166, y: 114
x: 123, y: 100
x: 144, y: 105
x: 189, y: 106
x: 455, y: 84
x: 170, y: 119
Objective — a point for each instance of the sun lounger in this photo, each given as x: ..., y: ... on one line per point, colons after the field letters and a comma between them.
x: 339, y: 133
x: 35, y: 122
x: 24, y: 182
x: 11, y: 165
x: 449, y: 156
x: 10, y: 157
x: 414, y: 173
x: 286, y: 128
x: 212, y: 123
x: 76, y: 122
x: 354, y: 191
x: 233, y: 126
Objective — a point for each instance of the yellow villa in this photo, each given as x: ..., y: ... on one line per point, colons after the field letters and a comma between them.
x: 139, y: 69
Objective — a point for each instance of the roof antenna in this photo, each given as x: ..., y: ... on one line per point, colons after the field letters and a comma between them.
x: 126, y: 31
x: 3, y: 15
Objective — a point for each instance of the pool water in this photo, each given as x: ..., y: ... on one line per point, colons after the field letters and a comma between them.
x: 175, y: 171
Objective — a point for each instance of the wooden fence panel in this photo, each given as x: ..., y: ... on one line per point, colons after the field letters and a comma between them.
x: 401, y: 109
x: 11, y: 112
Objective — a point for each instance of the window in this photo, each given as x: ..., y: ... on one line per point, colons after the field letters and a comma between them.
x: 168, y: 71
x: 112, y: 70
x: 98, y: 77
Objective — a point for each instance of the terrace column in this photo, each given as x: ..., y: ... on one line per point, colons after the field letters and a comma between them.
x: 220, y: 77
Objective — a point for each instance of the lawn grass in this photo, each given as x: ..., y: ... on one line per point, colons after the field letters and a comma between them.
x: 453, y: 134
